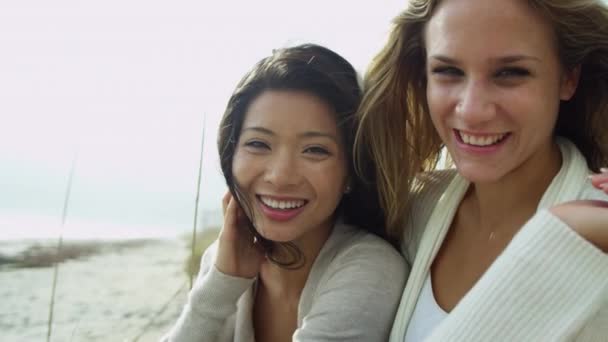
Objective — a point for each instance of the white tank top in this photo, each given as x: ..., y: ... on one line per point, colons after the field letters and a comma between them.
x: 426, y: 316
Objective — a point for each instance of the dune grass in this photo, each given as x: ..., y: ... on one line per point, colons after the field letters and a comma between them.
x: 203, y: 240
x: 45, y: 255
x: 39, y: 256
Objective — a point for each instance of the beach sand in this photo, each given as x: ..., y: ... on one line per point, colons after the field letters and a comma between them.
x: 123, y: 294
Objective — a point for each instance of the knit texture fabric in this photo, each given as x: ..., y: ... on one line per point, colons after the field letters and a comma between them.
x: 351, y: 294
x: 549, y: 284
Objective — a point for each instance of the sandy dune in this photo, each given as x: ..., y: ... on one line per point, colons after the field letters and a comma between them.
x: 129, y: 294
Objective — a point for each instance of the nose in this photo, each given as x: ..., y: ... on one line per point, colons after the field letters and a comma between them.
x: 282, y: 171
x: 476, y: 104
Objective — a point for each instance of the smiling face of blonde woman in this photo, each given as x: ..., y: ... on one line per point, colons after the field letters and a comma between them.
x: 494, y: 85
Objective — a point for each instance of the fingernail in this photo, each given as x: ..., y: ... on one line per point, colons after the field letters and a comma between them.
x: 604, y: 170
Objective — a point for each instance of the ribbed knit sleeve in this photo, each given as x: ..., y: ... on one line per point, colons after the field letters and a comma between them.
x: 212, y: 300
x: 548, y: 285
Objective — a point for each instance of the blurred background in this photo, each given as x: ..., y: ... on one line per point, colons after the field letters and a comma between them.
x: 125, y: 91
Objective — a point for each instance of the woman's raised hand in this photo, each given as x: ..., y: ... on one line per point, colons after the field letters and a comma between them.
x: 588, y: 218
x: 237, y: 255
x: 600, y: 180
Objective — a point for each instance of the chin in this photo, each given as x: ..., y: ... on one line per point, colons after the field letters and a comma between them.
x: 480, y: 175
x: 276, y: 236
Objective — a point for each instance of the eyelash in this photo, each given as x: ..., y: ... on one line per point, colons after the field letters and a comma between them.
x: 316, y: 150
x: 508, y: 72
x: 447, y: 71
x: 512, y: 72
x: 258, y: 145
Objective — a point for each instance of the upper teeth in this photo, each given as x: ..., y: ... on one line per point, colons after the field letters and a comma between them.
x: 282, y: 204
x: 481, y: 140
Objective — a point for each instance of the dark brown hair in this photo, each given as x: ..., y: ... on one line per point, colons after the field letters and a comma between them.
x: 323, y: 73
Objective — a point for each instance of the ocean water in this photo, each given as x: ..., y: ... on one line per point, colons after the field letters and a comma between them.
x: 19, y: 232
x: 19, y: 227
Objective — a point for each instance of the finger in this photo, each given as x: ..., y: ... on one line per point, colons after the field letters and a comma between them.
x: 225, y: 201
x: 600, y: 181
x: 229, y: 230
x: 230, y: 212
x: 240, y: 214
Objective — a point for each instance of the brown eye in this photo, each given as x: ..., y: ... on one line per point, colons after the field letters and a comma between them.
x: 256, y: 144
x: 512, y: 72
x: 447, y: 71
x: 316, y: 150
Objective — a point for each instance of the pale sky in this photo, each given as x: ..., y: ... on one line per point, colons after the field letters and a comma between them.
x: 126, y: 84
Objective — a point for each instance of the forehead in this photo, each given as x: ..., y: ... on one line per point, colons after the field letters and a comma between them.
x: 488, y: 28
x: 288, y: 112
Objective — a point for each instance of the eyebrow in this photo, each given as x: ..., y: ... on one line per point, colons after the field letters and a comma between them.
x: 316, y: 134
x: 499, y: 60
x: 309, y: 134
x: 259, y: 130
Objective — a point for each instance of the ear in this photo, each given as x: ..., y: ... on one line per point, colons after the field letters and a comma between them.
x: 569, y: 82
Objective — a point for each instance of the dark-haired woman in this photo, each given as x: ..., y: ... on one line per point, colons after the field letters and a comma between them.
x: 288, y: 265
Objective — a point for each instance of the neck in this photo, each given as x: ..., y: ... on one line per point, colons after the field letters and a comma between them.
x: 287, y: 283
x: 515, y: 197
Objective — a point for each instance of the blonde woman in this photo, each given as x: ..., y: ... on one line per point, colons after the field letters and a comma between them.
x: 517, y: 92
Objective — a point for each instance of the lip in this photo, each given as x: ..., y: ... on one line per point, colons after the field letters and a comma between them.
x: 282, y: 198
x: 280, y: 215
x: 479, y: 150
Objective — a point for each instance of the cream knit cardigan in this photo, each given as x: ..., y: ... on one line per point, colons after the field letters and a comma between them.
x: 351, y: 294
x: 549, y: 284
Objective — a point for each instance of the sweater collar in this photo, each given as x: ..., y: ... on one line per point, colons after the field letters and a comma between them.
x: 570, y: 179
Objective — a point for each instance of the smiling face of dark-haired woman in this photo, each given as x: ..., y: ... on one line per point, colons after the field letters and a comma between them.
x: 290, y: 165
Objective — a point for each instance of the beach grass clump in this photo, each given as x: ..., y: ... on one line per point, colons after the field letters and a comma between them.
x: 40, y: 255
x: 203, y: 240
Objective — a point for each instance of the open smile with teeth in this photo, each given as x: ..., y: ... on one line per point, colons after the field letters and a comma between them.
x: 485, y: 140
x: 281, y: 204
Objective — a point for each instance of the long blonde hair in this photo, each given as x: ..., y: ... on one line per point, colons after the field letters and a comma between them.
x: 394, y: 122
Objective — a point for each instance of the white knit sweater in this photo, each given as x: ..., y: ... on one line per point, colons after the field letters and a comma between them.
x: 549, y: 284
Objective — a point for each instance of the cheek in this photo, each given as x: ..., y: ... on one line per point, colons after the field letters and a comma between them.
x: 243, y: 168
x: 329, y: 180
x: 438, y: 100
x: 533, y: 110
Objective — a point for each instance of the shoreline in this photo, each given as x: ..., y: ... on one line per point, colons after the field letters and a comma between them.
x: 118, y: 294
x: 40, y: 253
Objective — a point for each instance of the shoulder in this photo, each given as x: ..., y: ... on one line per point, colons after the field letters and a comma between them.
x: 428, y: 189
x: 354, y: 245
x: 429, y: 186
x: 361, y: 263
x: 353, y: 290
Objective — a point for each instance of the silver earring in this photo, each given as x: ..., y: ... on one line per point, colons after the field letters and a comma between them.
x: 348, y: 189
